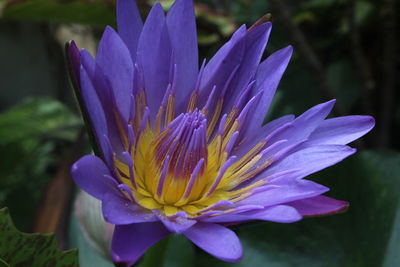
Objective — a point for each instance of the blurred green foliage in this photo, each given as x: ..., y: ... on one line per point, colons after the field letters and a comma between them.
x: 92, y: 12
x: 29, y: 134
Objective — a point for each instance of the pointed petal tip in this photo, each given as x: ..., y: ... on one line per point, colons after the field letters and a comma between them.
x: 349, y: 151
x: 72, y: 54
x: 289, y: 49
x: 158, y: 5
x: 266, y: 19
x: 70, y: 44
x: 328, y: 105
x: 285, y: 53
x: 370, y: 121
x: 338, y: 206
x: 320, y: 206
x: 109, y: 29
x: 330, y: 102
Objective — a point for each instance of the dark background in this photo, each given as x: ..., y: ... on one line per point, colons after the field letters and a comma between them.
x: 348, y: 50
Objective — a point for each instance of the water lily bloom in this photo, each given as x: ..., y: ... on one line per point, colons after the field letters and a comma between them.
x: 183, y: 149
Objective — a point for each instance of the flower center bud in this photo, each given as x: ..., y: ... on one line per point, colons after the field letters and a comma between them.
x: 182, y: 143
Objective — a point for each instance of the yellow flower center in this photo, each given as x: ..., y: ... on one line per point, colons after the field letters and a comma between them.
x: 186, y: 165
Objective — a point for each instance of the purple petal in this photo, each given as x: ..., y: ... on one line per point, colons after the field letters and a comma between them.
x: 114, y: 59
x: 268, y: 76
x: 131, y: 241
x: 255, y: 40
x: 73, y: 57
x: 305, y: 124
x: 181, y: 24
x: 176, y: 224
x: 107, y: 99
x: 94, y: 109
x: 88, y: 63
x: 319, y: 205
x: 250, y: 140
x: 280, y: 214
x: 119, y: 210
x: 222, y: 64
x: 342, y: 130
x: 129, y: 24
x: 312, y: 159
x: 154, y: 55
x: 89, y: 174
x: 282, y: 190
x: 216, y: 240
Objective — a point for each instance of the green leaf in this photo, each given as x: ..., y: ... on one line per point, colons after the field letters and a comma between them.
x: 366, y: 235
x: 20, y: 249
x: 39, y: 117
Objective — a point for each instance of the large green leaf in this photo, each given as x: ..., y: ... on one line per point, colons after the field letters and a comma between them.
x: 20, y: 249
x: 366, y: 235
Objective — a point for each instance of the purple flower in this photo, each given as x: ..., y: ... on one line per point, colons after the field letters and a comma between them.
x: 184, y: 150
